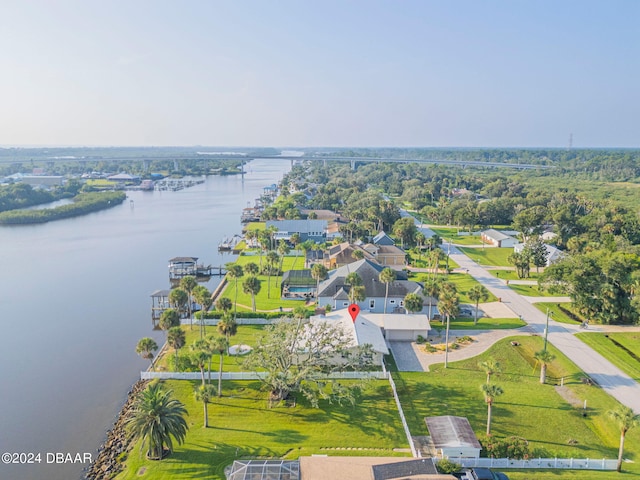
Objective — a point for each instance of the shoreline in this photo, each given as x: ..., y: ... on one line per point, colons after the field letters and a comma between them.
x: 108, y: 461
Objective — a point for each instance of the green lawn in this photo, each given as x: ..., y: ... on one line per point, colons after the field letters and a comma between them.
x: 247, y: 335
x: 512, y: 275
x: 530, y: 290
x: 255, y: 226
x: 535, y: 412
x: 451, y: 233
x: 490, y: 256
x: 621, y: 349
x: 555, y: 312
x: 484, y: 323
x: 263, y: 301
x: 242, y: 426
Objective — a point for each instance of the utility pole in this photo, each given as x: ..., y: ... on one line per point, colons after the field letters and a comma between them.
x: 546, y: 330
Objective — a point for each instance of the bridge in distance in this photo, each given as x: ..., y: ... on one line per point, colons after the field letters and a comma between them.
x: 293, y: 158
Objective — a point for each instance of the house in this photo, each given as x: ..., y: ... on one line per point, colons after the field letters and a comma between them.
x: 387, y: 255
x: 315, y: 230
x: 498, y: 239
x: 361, y: 332
x: 397, y: 327
x: 452, y: 437
x: 333, y: 291
x: 383, y: 239
x: 553, y: 254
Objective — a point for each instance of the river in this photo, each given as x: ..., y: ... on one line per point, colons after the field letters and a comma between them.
x: 75, y: 299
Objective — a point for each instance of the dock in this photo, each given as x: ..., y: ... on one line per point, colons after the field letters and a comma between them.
x: 183, y: 266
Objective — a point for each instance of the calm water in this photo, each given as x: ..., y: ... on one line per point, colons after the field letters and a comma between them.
x: 74, y: 301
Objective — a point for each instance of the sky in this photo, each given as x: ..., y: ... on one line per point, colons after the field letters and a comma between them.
x: 303, y: 73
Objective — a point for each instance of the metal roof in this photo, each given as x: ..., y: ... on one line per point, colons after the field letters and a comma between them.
x: 265, y: 470
x: 449, y: 431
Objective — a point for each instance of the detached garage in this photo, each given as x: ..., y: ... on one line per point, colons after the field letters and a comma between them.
x: 453, y: 437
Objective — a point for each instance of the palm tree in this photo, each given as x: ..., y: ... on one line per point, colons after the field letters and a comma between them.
x: 178, y: 300
x: 477, y: 294
x: 354, y: 281
x: 228, y: 327
x: 272, y: 260
x: 318, y: 272
x: 200, y: 356
x: 157, y: 418
x: 295, y: 241
x: 251, y: 268
x: 202, y: 295
x: 176, y: 339
x: 434, y: 257
x: 413, y: 303
x: 187, y: 284
x: 219, y: 344
x: 357, y: 294
x: 169, y: 318
x: 420, y: 239
x: 235, y: 271
x: 252, y: 285
x: 626, y: 420
x: 490, y: 394
x: 224, y: 305
x: 145, y: 348
x: 204, y: 394
x: 544, y: 358
x: 448, y: 306
x: 432, y: 289
x: 358, y: 254
x: 386, y: 276
x: 490, y: 367
x: 283, y: 251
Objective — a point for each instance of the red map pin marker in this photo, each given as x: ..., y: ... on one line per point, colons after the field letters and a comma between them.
x: 354, y: 310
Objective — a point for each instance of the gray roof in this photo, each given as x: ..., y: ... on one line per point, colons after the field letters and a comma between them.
x: 496, y: 235
x: 383, y: 239
x: 389, y: 471
x: 369, y: 272
x: 450, y: 431
x: 184, y: 259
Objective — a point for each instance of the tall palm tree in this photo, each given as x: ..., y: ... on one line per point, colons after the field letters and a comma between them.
x: 252, y: 285
x: 354, y: 280
x: 318, y: 272
x: 176, y: 339
x: 178, y: 300
x: 490, y: 366
x: 204, y: 394
x: 626, y: 419
x: 413, y: 303
x: 477, y: 294
x: 157, y: 418
x: 544, y: 358
x: 490, y: 394
x: 219, y: 344
x: 235, y: 271
x: 202, y: 295
x: 386, y: 276
x: 200, y: 356
x: 434, y: 257
x: 228, y: 327
x: 145, y: 348
x: 187, y: 284
x: 448, y: 306
x: 272, y: 261
x: 295, y: 241
x: 283, y: 251
x: 251, y: 268
x: 224, y: 305
x: 420, y: 239
x: 169, y: 318
x: 432, y: 289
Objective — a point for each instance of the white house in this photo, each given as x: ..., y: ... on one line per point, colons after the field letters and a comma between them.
x: 553, y: 254
x: 498, y: 239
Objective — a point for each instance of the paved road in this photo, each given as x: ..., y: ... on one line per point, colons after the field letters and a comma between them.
x: 609, y: 377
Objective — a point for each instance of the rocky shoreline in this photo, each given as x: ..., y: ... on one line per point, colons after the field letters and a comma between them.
x: 108, y: 462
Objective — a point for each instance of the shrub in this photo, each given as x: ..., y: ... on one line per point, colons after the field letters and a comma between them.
x: 420, y: 339
x: 510, y: 447
x: 448, y: 466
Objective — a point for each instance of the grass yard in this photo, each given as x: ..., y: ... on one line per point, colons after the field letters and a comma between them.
x: 530, y: 290
x: 621, y: 349
x: 451, y: 233
x: 512, y: 275
x: 246, y: 335
x: 553, y: 425
x: 255, y: 226
x: 555, y: 312
x: 489, y: 256
x: 242, y: 426
x: 484, y: 323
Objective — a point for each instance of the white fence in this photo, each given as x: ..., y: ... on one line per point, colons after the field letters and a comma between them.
x: 249, y: 375
x: 564, y: 463
x: 414, y: 451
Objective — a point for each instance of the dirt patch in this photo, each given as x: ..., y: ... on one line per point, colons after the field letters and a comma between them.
x: 570, y: 397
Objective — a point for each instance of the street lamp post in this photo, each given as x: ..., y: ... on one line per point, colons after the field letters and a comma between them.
x: 546, y: 330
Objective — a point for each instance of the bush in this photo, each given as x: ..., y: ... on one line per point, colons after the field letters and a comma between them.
x: 510, y: 447
x: 420, y: 339
x: 447, y: 466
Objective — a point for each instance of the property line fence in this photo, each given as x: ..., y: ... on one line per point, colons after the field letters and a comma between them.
x: 251, y: 375
x: 560, y: 463
x: 414, y: 452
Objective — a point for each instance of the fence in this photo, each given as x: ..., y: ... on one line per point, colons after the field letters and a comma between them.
x: 561, y: 463
x: 414, y: 451
x: 250, y: 375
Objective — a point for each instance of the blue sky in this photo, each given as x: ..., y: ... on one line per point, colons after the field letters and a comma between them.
x: 320, y: 73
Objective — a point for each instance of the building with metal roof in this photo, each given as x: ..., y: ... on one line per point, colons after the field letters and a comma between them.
x: 453, y: 437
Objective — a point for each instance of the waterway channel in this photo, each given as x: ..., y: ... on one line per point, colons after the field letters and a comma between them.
x: 75, y: 299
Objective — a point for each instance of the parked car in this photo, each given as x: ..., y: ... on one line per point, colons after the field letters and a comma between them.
x: 483, y: 474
